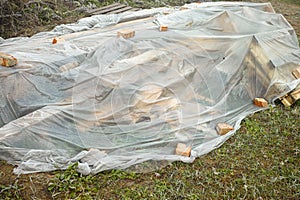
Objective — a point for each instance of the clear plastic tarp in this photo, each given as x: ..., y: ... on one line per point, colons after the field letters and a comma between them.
x: 114, y: 103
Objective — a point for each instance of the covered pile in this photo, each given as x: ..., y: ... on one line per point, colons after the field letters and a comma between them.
x: 109, y: 100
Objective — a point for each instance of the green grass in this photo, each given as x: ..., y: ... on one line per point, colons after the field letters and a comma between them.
x: 292, y: 2
x: 295, y: 2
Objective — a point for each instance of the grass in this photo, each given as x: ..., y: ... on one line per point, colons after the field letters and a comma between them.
x: 296, y: 2
x: 261, y: 161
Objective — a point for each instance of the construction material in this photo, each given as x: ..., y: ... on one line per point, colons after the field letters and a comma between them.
x: 68, y: 66
x: 295, y: 94
x: 286, y: 100
x: 126, y: 33
x: 163, y: 28
x: 111, y: 9
x: 183, y: 150
x: 223, y: 128
x: 260, y: 102
x: 7, y: 60
x: 57, y: 40
x: 290, y: 98
x: 296, y: 73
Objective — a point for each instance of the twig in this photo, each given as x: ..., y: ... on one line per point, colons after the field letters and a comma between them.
x: 10, y: 15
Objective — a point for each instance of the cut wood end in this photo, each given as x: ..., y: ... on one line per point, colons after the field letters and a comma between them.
x: 290, y: 98
x: 296, y: 73
x: 261, y: 102
x: 295, y: 94
x: 223, y: 128
x: 126, y: 33
x: 183, y: 150
x: 7, y: 60
x: 163, y: 28
x: 57, y: 40
x: 287, y: 101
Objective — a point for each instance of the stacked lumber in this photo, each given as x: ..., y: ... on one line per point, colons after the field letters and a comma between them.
x: 111, y: 9
x: 290, y: 98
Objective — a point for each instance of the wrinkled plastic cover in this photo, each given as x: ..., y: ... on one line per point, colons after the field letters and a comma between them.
x: 109, y: 102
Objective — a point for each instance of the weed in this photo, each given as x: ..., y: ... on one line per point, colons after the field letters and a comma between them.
x: 12, y: 191
x: 71, y: 184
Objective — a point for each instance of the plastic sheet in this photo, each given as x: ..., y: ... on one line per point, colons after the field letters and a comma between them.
x: 109, y: 102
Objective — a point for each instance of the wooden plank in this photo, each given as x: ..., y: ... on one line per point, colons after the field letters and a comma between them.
x: 287, y: 101
x: 296, y: 73
x: 135, y: 9
x: 120, y: 10
x: 133, y: 18
x: 126, y: 33
x: 259, y: 68
x: 109, y: 10
x: 91, y: 12
x: 163, y: 28
x: 295, y: 94
x: 291, y: 98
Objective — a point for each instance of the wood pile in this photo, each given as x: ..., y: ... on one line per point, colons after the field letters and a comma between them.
x: 111, y: 9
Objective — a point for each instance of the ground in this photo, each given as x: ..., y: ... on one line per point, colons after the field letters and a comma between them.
x: 262, y: 161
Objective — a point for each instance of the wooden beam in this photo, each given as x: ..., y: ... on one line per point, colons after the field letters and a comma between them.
x: 296, y: 73
x: 91, y: 12
x: 109, y: 10
x: 295, y: 94
x: 291, y: 98
x: 120, y: 10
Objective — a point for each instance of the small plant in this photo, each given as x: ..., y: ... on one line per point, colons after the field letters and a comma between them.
x: 71, y: 184
x: 12, y: 191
